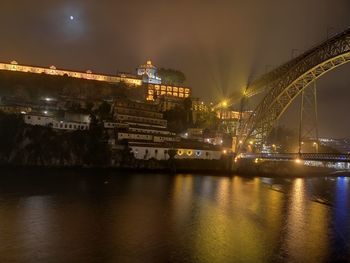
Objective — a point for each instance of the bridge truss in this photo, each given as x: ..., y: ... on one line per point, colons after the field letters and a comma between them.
x: 287, y: 82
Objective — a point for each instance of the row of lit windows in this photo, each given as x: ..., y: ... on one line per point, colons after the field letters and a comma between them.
x: 52, y: 71
x: 140, y: 113
x: 140, y: 106
x: 147, y: 151
x: 141, y: 119
x: 150, y: 131
x: 151, y: 97
x: 70, y: 126
x: 134, y: 136
x: 175, y: 94
x: 171, y: 88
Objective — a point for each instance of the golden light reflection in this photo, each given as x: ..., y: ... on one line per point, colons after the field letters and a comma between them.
x: 317, y: 238
x: 224, y: 192
x: 182, y: 197
x: 296, y: 221
x: 228, y: 230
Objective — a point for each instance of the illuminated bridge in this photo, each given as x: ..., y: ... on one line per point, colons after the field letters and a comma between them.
x: 322, y: 157
x: 285, y: 83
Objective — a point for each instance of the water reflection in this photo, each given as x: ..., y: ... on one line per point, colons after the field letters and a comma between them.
x: 183, y: 218
x: 341, y: 218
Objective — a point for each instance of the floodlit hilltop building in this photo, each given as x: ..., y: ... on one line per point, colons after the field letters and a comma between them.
x: 146, y: 77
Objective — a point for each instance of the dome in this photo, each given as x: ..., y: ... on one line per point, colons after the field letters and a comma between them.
x: 148, y: 65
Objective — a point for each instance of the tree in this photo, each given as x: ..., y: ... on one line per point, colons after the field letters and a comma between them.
x: 171, y: 76
x: 104, y: 111
x: 187, y: 104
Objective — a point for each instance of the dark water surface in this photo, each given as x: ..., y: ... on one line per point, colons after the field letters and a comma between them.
x: 108, y: 217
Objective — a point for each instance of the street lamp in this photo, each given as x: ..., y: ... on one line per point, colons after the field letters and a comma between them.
x: 224, y: 104
x: 274, y: 147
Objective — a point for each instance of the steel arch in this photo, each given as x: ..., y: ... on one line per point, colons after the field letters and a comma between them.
x: 283, y: 88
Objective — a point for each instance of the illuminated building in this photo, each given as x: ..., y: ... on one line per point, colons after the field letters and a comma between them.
x: 88, y: 75
x: 156, y: 90
x: 199, y: 109
x: 14, y: 109
x: 144, y: 129
x: 43, y: 119
x: 148, y: 72
x: 340, y: 145
x: 199, y: 106
x: 146, y: 77
x: 142, y: 123
x: 230, y: 119
x: 167, y: 102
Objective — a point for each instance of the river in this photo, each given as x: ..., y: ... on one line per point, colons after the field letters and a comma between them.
x: 100, y: 216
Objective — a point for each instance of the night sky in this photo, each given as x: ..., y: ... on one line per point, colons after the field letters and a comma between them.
x: 218, y: 44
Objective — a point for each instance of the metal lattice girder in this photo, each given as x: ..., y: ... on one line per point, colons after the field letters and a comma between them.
x: 289, y: 84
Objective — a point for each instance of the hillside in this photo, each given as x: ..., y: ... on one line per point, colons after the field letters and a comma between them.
x: 29, y: 86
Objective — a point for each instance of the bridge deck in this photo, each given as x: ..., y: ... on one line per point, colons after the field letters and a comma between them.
x: 322, y: 157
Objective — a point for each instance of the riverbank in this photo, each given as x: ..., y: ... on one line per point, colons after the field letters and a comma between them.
x: 215, y: 168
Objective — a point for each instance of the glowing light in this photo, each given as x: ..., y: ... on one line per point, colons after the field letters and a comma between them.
x: 224, y: 104
x: 45, y: 112
x: 71, y: 18
x: 240, y: 142
x: 180, y: 152
x: 251, y: 142
x: 256, y: 160
x: 298, y: 161
x: 224, y: 151
x: 245, y: 92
